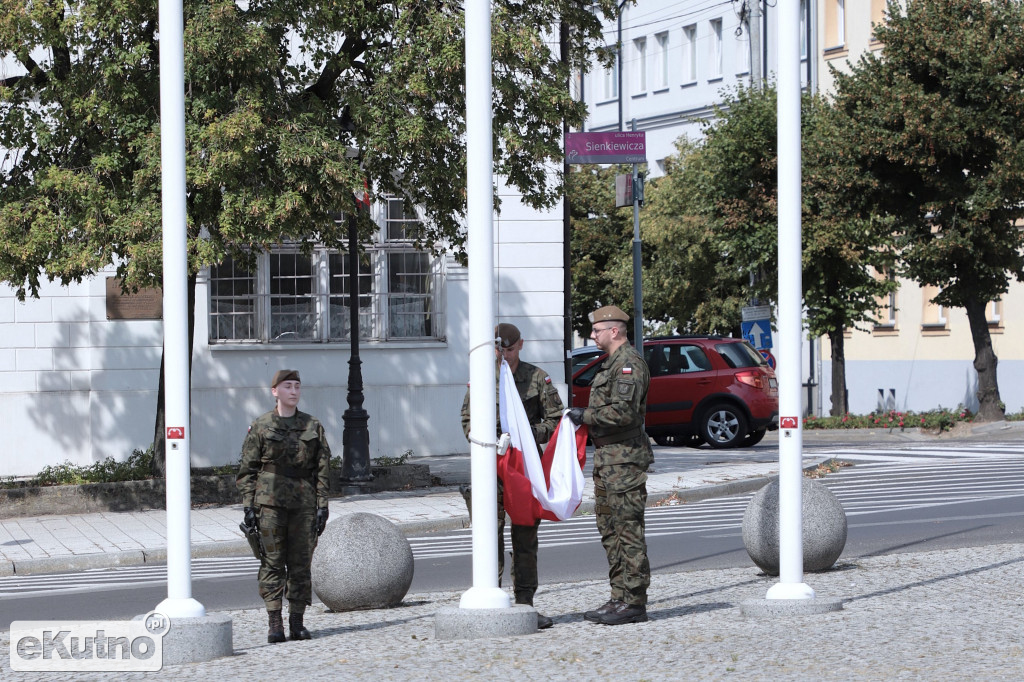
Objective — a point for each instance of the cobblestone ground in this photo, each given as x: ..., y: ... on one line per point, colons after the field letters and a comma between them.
x: 946, y: 615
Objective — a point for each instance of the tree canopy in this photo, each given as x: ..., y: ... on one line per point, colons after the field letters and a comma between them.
x: 278, y: 95
x: 935, y: 126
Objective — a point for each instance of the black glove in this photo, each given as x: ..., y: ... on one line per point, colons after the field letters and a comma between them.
x: 576, y: 414
x: 249, y: 518
x: 321, y: 520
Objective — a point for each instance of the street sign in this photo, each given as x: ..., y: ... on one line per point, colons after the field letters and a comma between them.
x: 768, y: 357
x: 758, y: 333
x: 616, y: 147
x: 755, y: 312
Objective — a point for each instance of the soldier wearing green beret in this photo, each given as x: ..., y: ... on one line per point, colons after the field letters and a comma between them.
x: 618, y: 404
x: 544, y: 410
x: 283, y: 476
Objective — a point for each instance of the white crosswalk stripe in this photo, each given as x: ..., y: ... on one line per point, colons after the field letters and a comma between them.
x: 893, y: 479
x: 99, y: 578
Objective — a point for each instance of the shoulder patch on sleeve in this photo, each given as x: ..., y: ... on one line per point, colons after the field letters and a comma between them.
x: 627, y: 370
x: 547, y: 380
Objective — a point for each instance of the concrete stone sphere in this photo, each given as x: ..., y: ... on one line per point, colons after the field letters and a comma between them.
x: 824, y: 527
x: 362, y: 561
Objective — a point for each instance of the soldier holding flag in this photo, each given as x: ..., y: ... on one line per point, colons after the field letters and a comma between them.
x: 544, y: 411
x: 618, y: 404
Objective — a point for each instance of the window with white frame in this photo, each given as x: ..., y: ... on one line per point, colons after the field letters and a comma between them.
x: 639, y: 66
x: 994, y: 313
x: 610, y: 81
x: 886, y: 319
x: 804, y: 13
x: 661, y: 60
x: 690, y: 53
x: 291, y: 296
x: 742, y: 53
x: 933, y: 315
x: 835, y: 24
x: 715, y: 49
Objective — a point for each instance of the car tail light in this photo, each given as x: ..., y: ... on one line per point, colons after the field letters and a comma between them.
x: 751, y: 378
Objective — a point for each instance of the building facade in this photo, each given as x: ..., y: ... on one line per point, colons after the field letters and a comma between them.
x: 79, y: 366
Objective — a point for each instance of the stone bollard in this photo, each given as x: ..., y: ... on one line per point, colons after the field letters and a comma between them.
x: 362, y: 561
x: 824, y: 527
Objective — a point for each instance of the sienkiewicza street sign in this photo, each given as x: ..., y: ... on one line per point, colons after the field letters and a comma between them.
x: 615, y: 147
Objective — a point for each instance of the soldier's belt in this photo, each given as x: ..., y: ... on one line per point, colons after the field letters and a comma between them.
x: 620, y: 437
x: 290, y: 472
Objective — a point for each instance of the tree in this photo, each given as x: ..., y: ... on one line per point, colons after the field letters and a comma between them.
x: 936, y: 126
x: 687, y: 282
x: 600, y: 245
x: 714, y: 227
x: 277, y: 96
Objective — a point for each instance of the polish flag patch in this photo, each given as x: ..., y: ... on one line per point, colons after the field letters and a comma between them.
x: 547, y: 380
x: 627, y: 370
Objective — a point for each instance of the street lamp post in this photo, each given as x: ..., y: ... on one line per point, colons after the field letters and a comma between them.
x: 355, y: 461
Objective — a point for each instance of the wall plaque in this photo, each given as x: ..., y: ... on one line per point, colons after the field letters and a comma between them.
x: 147, y: 304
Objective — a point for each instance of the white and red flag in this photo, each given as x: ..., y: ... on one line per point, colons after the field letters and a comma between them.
x: 538, y: 487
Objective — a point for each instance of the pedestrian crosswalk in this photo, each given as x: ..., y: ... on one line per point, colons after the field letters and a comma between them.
x: 880, y: 480
x: 110, y: 578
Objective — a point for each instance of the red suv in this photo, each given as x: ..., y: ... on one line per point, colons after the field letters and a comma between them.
x: 711, y: 389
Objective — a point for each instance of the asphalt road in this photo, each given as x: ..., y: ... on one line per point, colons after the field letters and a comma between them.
x: 896, y: 501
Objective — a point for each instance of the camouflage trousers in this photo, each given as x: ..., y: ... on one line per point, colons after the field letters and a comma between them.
x: 289, y: 537
x: 524, y: 554
x: 620, y: 496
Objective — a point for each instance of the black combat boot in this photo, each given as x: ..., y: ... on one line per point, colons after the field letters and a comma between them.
x: 596, y: 615
x: 276, y: 632
x: 297, y: 629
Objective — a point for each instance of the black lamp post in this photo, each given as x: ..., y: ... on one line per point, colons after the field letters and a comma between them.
x: 355, y: 461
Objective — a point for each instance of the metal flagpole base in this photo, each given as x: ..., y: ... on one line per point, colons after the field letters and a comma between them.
x: 181, y: 608
x: 790, y: 591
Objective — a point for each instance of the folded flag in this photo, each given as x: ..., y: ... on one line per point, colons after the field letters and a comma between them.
x: 538, y: 487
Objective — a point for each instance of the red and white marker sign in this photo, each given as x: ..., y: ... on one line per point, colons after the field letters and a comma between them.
x: 175, y: 433
x: 788, y: 422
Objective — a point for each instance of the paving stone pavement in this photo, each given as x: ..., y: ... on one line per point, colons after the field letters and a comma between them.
x: 943, y: 615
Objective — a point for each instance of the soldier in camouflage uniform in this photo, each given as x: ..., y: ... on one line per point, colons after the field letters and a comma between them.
x: 618, y: 403
x: 283, y: 477
x: 544, y: 410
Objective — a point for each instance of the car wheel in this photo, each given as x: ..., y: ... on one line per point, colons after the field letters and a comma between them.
x: 723, y: 426
x: 753, y: 438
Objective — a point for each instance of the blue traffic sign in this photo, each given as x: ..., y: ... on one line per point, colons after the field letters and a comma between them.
x: 758, y: 333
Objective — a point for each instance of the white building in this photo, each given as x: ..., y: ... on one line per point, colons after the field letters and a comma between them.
x: 79, y: 366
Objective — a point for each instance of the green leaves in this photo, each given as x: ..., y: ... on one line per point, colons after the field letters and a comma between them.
x: 278, y: 95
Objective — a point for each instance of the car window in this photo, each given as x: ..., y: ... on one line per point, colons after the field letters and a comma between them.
x: 740, y: 354
x: 692, y: 359
x: 587, y: 377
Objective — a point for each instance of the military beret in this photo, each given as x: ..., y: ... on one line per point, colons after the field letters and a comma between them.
x: 285, y: 375
x: 608, y: 313
x: 507, y: 333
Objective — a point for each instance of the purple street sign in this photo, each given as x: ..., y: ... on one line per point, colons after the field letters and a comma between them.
x: 606, y: 147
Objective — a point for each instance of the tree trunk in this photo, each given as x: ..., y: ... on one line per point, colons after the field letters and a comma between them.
x: 990, y: 407
x: 159, y: 444
x: 838, y: 345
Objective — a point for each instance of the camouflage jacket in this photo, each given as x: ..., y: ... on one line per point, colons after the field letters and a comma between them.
x: 540, y: 398
x: 618, y: 404
x: 285, y: 462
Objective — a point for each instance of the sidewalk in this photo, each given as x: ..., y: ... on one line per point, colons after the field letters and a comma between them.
x: 46, y: 544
